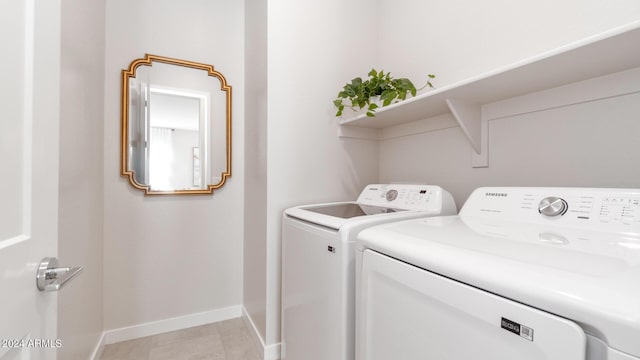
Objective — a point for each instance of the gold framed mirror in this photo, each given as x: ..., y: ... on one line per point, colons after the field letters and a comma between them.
x: 175, y: 126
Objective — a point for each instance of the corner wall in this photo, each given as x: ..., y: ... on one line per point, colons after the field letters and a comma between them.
x: 315, y: 47
x: 255, y: 191
x: 294, y: 155
x: 80, y: 305
x: 171, y: 256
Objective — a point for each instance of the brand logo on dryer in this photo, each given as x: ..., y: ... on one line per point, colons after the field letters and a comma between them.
x: 495, y: 194
x: 518, y: 329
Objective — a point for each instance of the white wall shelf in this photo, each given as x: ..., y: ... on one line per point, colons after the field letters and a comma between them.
x: 606, y: 53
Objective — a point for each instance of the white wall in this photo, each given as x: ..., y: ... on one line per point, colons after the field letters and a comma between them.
x: 255, y: 137
x: 458, y: 39
x: 590, y: 144
x: 80, y: 304
x: 171, y: 256
x: 314, y: 47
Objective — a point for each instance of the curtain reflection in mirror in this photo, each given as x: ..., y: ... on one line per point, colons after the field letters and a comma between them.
x: 138, y: 132
x: 160, y: 158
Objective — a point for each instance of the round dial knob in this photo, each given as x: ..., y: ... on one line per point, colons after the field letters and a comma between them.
x: 391, y: 195
x: 552, y: 206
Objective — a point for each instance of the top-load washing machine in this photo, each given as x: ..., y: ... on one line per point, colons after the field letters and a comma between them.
x: 520, y: 273
x: 318, y: 264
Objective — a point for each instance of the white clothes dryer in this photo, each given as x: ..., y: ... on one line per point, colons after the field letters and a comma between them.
x: 318, y: 264
x: 520, y: 273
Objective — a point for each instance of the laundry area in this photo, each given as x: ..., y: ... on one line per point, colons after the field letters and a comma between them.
x: 315, y: 180
x: 520, y: 267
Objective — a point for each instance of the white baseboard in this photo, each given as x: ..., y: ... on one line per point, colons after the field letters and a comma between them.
x: 97, y: 351
x: 172, y: 324
x: 272, y: 352
x: 269, y: 352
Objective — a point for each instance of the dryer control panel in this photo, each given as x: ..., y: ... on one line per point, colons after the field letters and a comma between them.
x: 590, y: 208
x: 407, y: 197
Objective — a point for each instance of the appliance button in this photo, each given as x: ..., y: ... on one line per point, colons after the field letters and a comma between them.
x: 391, y: 195
x: 552, y: 206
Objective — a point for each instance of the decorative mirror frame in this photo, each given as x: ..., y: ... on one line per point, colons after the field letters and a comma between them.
x: 124, y: 116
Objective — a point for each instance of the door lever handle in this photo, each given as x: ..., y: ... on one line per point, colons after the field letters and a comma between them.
x: 50, y: 277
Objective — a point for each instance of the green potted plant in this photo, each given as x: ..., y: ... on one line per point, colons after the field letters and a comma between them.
x: 379, y: 89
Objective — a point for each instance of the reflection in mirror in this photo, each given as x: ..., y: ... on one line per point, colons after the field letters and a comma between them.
x: 176, y: 126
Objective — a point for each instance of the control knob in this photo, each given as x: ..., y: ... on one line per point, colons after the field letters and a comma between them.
x: 552, y: 206
x: 391, y: 195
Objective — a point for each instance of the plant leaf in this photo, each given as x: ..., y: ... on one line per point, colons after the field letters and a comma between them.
x: 387, y: 97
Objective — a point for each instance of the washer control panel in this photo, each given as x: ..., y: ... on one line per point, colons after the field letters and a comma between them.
x: 406, y: 196
x: 607, y: 209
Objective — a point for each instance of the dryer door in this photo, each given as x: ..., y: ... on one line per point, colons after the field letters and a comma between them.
x: 408, y: 313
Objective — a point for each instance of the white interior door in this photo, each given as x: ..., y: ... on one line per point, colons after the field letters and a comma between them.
x: 29, y: 113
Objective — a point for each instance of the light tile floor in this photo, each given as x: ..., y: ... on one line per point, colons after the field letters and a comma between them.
x: 225, y: 340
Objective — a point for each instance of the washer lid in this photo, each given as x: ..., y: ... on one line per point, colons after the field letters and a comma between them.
x: 334, y: 215
x: 376, y: 201
x: 591, y: 277
x: 349, y: 210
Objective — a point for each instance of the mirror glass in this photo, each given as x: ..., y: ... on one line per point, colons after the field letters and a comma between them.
x: 176, y: 126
